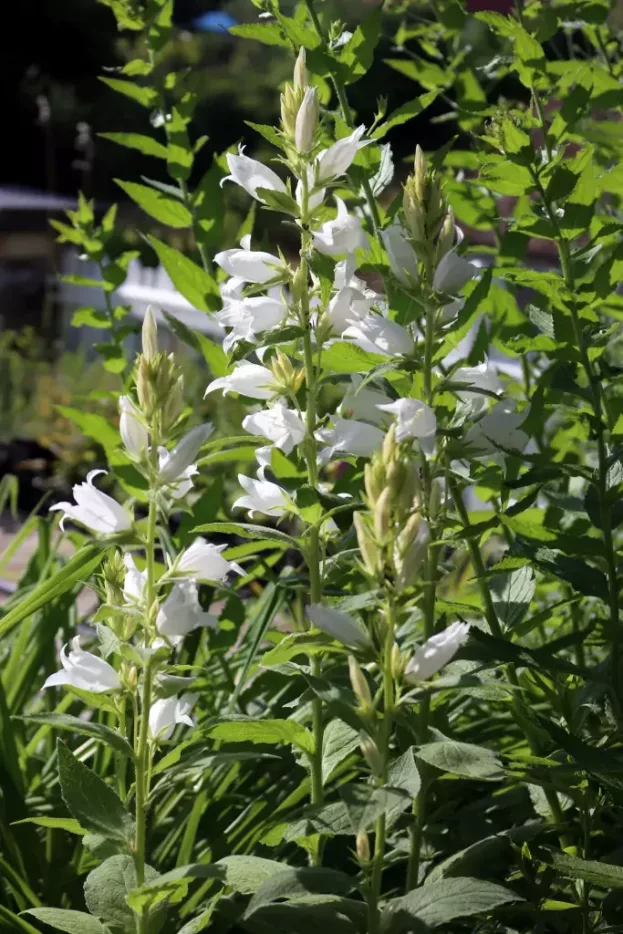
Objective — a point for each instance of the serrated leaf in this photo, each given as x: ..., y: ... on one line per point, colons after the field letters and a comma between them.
x: 101, y: 732
x: 68, y: 824
x: 512, y: 595
x: 299, y: 882
x: 92, y: 802
x: 146, y: 97
x: 106, y: 889
x: 442, y: 902
x: 196, y: 285
x: 246, y: 874
x: 71, y: 922
x: 338, y: 741
x: 247, y: 730
x: 166, y: 210
x: 144, y: 144
x: 244, y: 530
x: 464, y: 759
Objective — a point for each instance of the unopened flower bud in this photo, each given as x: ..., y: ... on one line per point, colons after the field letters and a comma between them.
x: 410, y: 551
x: 150, y: 334
x: 301, y: 76
x: 306, y: 121
x: 371, y: 753
x: 299, y: 284
x: 434, y: 503
x: 397, y: 663
x: 383, y: 515
x: 174, y: 403
x: 287, y: 378
x: 409, y: 492
x: 290, y: 104
x: 389, y: 445
x: 367, y: 545
x: 374, y: 480
x: 130, y: 678
x: 359, y: 683
x: 363, y: 847
x: 415, y: 212
x: 396, y: 476
x: 420, y: 174
x: 446, y: 235
x: 114, y: 576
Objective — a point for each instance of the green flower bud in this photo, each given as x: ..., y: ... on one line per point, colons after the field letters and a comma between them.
x: 359, y: 684
x: 150, y: 334
x: 371, y: 754
x: 367, y: 545
x: 362, y: 846
x: 301, y: 75
x: 383, y: 515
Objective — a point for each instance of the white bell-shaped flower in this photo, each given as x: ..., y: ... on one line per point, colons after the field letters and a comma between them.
x: 498, y: 431
x: 348, y: 436
x: 250, y: 265
x: 181, y: 612
x: 480, y: 377
x: 414, y: 419
x: 174, y: 465
x: 204, y: 561
x: 249, y: 317
x: 401, y: 255
x: 85, y: 671
x: 338, y: 625
x: 363, y: 403
x: 167, y: 712
x: 248, y: 379
x: 436, y: 652
x: 262, y: 497
x: 381, y: 336
x: 135, y: 580
x: 252, y: 175
x: 452, y: 273
x: 333, y: 162
x: 98, y: 511
x: 344, y: 234
x: 347, y: 306
x: 280, y: 425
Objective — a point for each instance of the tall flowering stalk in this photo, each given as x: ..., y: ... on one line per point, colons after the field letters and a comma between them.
x: 148, y: 611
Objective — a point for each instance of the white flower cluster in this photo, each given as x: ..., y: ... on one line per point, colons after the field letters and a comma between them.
x: 170, y: 476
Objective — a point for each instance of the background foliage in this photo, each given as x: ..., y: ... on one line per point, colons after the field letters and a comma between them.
x: 519, y: 754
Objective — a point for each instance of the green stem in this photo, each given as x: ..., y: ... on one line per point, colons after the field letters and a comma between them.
x: 313, y: 550
x: 143, y: 750
x: 347, y: 115
x: 416, y: 831
x: 120, y: 761
x: 376, y: 882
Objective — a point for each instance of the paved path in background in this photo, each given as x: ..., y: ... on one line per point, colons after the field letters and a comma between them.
x: 12, y: 572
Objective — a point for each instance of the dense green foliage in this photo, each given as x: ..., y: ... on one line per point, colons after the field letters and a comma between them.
x: 336, y: 777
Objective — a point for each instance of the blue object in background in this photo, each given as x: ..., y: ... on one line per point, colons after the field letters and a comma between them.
x: 214, y: 21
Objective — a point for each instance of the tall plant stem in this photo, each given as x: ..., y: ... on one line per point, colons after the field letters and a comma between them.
x: 599, y: 426
x: 142, y: 751
x: 491, y: 616
x: 380, y: 833
x: 313, y: 534
x: 416, y: 832
x: 340, y: 91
